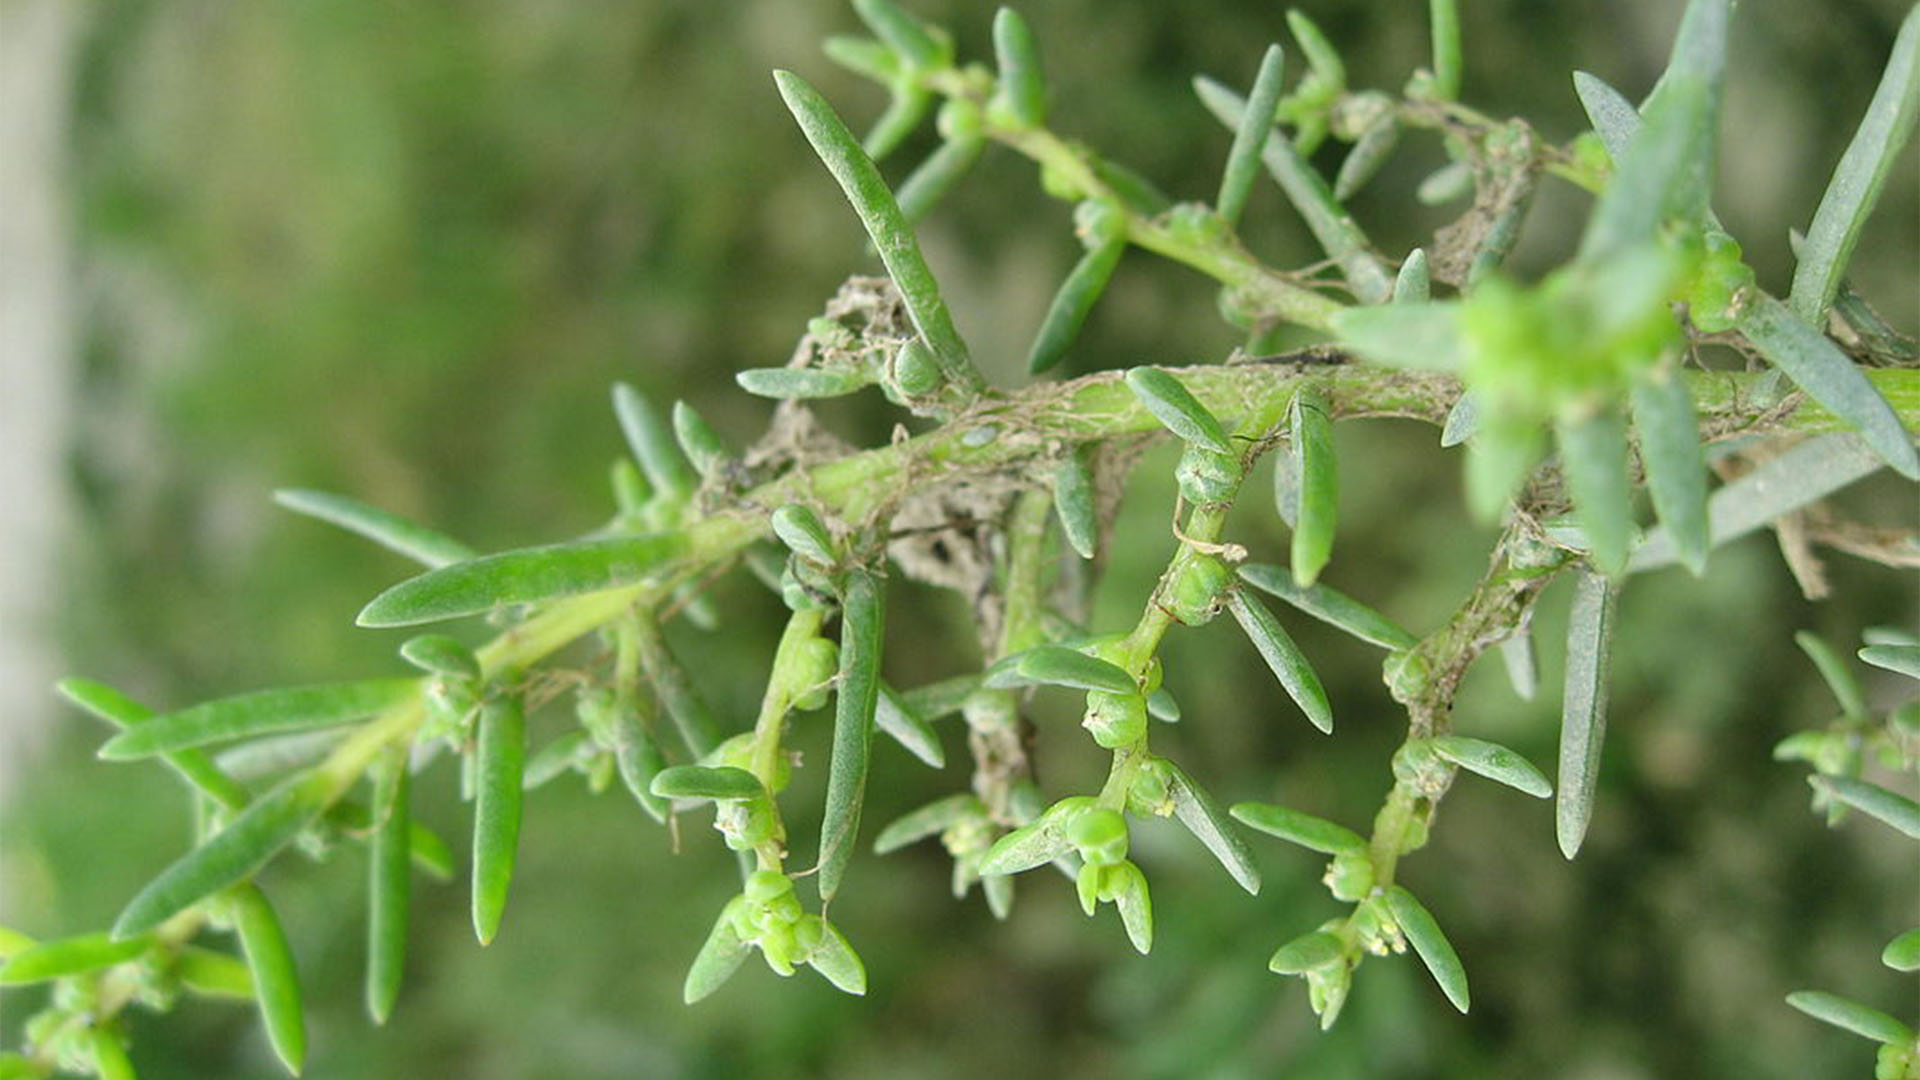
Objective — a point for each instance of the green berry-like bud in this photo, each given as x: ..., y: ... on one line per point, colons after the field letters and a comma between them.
x: 1350, y: 877
x: 1196, y: 224
x: 1205, y: 477
x: 1100, y: 835
x: 915, y: 371
x: 777, y: 944
x: 1194, y: 598
x: 1152, y: 790
x: 809, y: 933
x: 1097, y: 222
x: 1115, y: 720
x: 959, y: 120
x: 819, y: 660
x: 765, y: 886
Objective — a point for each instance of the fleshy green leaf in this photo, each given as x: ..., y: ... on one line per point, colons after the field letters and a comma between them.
x: 441, y: 655
x: 691, y: 715
x: 1807, y: 473
x: 1495, y: 762
x: 783, y: 383
x: 1851, y: 1016
x: 1523, y: 667
x: 1322, y: 58
x: 1370, y: 152
x: 110, y: 1058
x: 931, y: 819
x: 702, y: 445
x: 707, y: 782
x: 231, y: 855
x: 1073, y: 499
x: 935, y: 700
x: 1332, y: 226
x: 1902, y: 659
x: 276, y: 981
x: 1071, y: 305
x: 71, y: 956
x: 1816, y: 365
x: 1308, y: 952
x: 1171, y: 403
x: 1903, y: 952
x: 1613, y: 117
x: 834, y: 958
x: 1250, y: 136
x: 719, y: 957
x: 892, y: 238
x: 1422, y: 336
x: 1669, y: 433
x: 907, y: 36
x: 1444, y: 16
x: 908, y: 103
x: 1026, y: 847
x: 1202, y: 816
x: 1583, y: 715
x: 638, y: 759
x: 1312, y: 833
x: 498, y: 800
x: 1314, y: 516
x: 1423, y: 933
x: 121, y: 711
x: 1858, y: 178
x: 653, y: 444
x: 213, y: 974
x: 1135, y: 904
x: 863, y: 56
x: 1872, y: 800
x: 389, y: 883
x: 804, y: 533
x: 1330, y: 606
x: 862, y: 628
x: 928, y: 183
x: 1289, y: 665
x: 1593, y: 455
x: 894, y: 716
x: 1414, y: 283
x: 298, y: 708
x: 1022, y: 91
x: 526, y: 576
x: 1057, y: 665
x: 416, y: 542
x: 1835, y: 672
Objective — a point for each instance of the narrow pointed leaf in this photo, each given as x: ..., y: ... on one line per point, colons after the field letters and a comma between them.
x: 1873, y: 800
x: 862, y: 628
x: 231, y: 855
x: 1286, y: 486
x: 1811, y: 471
x: 1136, y: 907
x: 1073, y: 499
x: 834, y: 958
x: 1330, y: 606
x: 653, y: 445
x: 783, y: 383
x: 720, y: 956
x: 416, y: 542
x: 1250, y: 136
x: 1171, y: 403
x: 525, y: 576
x: 1676, y: 476
x: 1835, y: 672
x: 498, y: 799
x: 1421, y: 336
x: 1336, y: 231
x: 638, y: 759
x: 1163, y: 707
x: 929, y: 820
x: 1523, y: 667
x: 1308, y: 952
x: 1209, y: 824
x: 1414, y: 283
x: 1370, y: 152
x: 1613, y: 117
x: 894, y: 716
x: 1851, y: 1016
x: 908, y: 104
x: 1462, y: 419
x: 707, y: 782
x: 1423, y: 933
x: 441, y: 655
x: 1583, y: 716
x: 389, y: 883
x: 1593, y: 455
x: 864, y: 188
x: 1289, y: 665
x: 702, y: 445
x: 121, y: 711
x: 691, y: 716
x: 1312, y: 833
x: 1816, y: 365
x: 1024, y: 848
x: 1057, y: 665
x: 1495, y: 762
x: 276, y: 981
x: 935, y: 700
x: 1903, y: 952
x: 1022, y: 90
x: 1073, y: 303
x: 804, y: 533
x: 1315, y: 515
x: 930, y: 182
x: 907, y: 36
x: 1901, y: 659
x: 110, y: 1058
x: 213, y: 974
x: 71, y: 956
x: 863, y: 56
x: 292, y: 709
x: 1322, y: 57
x: 1858, y: 178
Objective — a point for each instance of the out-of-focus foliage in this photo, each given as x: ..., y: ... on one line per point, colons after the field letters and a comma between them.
x: 401, y: 251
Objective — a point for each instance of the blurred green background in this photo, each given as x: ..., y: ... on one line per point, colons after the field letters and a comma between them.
x: 401, y: 251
